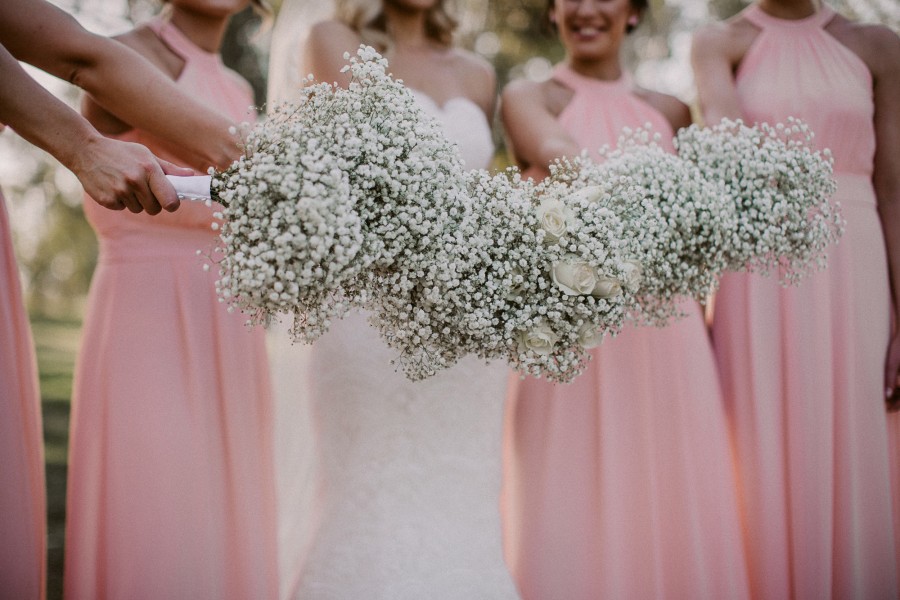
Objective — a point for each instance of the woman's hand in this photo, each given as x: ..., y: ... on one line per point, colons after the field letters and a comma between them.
x: 119, y: 175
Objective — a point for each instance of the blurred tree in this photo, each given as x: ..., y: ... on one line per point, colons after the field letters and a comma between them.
x: 56, y: 247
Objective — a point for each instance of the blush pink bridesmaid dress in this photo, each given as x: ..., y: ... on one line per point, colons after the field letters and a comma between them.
x: 802, y: 367
x: 620, y: 484
x: 171, y: 477
x: 22, y: 499
x: 894, y: 451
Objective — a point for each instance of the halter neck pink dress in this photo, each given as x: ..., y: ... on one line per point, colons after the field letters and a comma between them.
x: 171, y: 481
x: 619, y: 485
x: 23, y: 527
x: 802, y: 366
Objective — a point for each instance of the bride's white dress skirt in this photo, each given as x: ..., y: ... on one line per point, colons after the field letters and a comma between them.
x: 406, y: 476
x: 389, y: 489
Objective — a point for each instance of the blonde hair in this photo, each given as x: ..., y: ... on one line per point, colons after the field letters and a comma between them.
x: 367, y: 18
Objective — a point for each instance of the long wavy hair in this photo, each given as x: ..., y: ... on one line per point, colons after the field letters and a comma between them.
x: 367, y: 18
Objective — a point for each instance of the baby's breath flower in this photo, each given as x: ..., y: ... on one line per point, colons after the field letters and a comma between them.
x: 354, y: 198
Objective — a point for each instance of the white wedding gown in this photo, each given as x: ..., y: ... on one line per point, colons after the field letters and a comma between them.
x: 396, y: 494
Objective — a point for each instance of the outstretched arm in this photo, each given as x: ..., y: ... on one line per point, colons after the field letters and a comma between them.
x: 118, y: 78
x: 116, y: 174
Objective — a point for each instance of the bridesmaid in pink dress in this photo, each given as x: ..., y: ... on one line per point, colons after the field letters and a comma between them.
x: 620, y: 484
x: 118, y: 174
x: 171, y: 481
x: 803, y: 369
x: 23, y: 527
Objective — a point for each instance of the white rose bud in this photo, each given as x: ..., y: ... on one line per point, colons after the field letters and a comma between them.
x: 553, y: 217
x: 574, y: 277
x: 539, y: 340
x: 606, y: 287
x: 590, y: 336
x: 591, y: 193
x: 632, y: 275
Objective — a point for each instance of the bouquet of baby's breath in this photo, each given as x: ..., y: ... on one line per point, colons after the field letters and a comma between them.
x: 537, y: 274
x: 332, y: 190
x: 677, y: 223
x: 780, y: 186
x: 355, y: 198
x: 529, y: 274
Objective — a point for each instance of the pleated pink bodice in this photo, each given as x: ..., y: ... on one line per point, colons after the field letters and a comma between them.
x: 591, y: 128
x: 171, y: 482
x: 796, y: 68
x: 600, y: 110
x: 802, y: 367
x: 619, y: 484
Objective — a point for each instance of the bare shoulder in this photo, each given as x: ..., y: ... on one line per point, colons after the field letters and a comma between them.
x: 676, y: 112
x: 333, y: 36
x: 473, y: 66
x: 145, y: 42
x: 877, y: 46
x: 726, y: 39
x: 477, y: 77
x: 518, y: 89
x: 524, y: 92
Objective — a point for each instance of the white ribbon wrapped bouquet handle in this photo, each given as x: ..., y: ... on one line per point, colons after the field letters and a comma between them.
x: 195, y: 188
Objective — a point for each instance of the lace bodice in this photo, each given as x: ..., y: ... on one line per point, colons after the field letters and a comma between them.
x: 463, y: 122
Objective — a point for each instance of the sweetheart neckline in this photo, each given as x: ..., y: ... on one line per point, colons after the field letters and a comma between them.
x: 444, y: 107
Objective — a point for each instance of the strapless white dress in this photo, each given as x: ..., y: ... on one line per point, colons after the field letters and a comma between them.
x: 399, y: 491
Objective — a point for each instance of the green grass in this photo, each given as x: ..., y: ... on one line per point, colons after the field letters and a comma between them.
x: 56, y: 342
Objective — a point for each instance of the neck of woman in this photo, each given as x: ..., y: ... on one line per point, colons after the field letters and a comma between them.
x: 204, y: 30
x: 790, y: 9
x: 406, y: 27
x: 606, y: 69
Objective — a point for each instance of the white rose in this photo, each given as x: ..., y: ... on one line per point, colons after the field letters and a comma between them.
x: 606, y: 287
x: 591, y: 193
x: 590, y: 336
x: 553, y: 217
x: 574, y: 277
x: 539, y: 340
x: 632, y: 275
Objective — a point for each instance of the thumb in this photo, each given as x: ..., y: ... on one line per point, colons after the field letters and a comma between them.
x: 173, y: 169
x: 162, y: 188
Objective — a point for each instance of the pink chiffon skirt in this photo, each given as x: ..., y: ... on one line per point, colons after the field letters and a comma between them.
x: 802, y: 371
x: 620, y: 485
x: 171, y: 479
x: 22, y: 499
